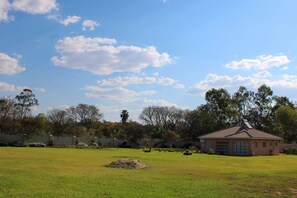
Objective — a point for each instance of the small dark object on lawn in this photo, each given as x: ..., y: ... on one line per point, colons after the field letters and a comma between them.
x: 187, y: 153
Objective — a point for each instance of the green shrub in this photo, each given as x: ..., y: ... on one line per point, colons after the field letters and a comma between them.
x: 94, y: 144
x: 3, y: 144
x: 211, y: 152
x: 290, y: 151
x: 187, y: 152
x: 81, y: 145
x: 36, y: 144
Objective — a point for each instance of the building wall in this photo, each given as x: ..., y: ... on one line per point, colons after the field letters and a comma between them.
x: 254, y: 147
x: 265, y: 147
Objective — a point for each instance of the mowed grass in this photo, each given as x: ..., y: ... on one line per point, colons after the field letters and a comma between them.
x: 57, y: 172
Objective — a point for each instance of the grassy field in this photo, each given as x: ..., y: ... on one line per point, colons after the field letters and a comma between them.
x: 53, y: 172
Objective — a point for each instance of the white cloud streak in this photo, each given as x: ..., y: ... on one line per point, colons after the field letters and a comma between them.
x: 9, y: 65
x: 5, y: 87
x: 35, y: 6
x: 232, y: 82
x: 263, y: 62
x: 135, y: 80
x: 116, y: 94
x: 4, y: 9
x: 89, y: 25
x: 69, y: 20
x: 100, y: 56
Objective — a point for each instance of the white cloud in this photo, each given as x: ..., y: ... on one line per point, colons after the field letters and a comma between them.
x: 233, y: 82
x: 134, y: 80
x: 117, y: 94
x: 179, y: 86
x: 100, y: 56
x: 148, y: 93
x: 10, y: 88
x: 262, y: 74
x: 69, y: 20
x: 9, y: 65
x: 4, y: 9
x: 89, y: 25
x: 40, y: 89
x: 263, y: 62
x: 35, y: 6
x: 126, y: 80
x: 148, y: 102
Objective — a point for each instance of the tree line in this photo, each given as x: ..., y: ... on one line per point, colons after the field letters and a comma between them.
x: 265, y: 111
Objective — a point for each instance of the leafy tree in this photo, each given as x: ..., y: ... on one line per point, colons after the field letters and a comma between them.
x: 286, y: 123
x: 124, y: 116
x: 198, y: 122
x: 243, y: 100
x: 84, y: 114
x: 220, y: 105
x: 261, y: 115
x: 7, y: 114
x: 25, y: 101
x: 59, y: 121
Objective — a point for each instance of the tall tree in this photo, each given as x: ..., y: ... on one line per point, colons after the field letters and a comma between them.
x: 243, y: 100
x: 261, y: 114
x: 221, y: 107
x: 7, y: 114
x: 286, y: 123
x: 85, y: 114
x: 59, y: 121
x: 124, y: 116
x: 25, y: 101
x: 198, y: 122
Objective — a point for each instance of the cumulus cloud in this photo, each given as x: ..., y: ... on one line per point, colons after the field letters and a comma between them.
x: 102, y: 57
x: 134, y: 80
x: 9, y: 65
x: 89, y: 25
x: 232, y: 82
x: 10, y: 88
x: 263, y: 62
x: 116, y: 94
x: 160, y: 102
x: 35, y: 6
x: 4, y: 9
x: 69, y: 20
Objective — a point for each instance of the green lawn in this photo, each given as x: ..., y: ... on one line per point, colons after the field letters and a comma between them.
x: 53, y: 172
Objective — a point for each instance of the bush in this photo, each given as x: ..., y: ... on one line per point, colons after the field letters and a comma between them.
x: 290, y: 151
x: 94, y: 144
x: 3, y: 144
x: 187, y: 152
x: 81, y: 145
x: 36, y: 144
x: 211, y: 152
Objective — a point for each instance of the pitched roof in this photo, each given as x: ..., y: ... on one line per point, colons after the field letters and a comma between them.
x: 240, y: 132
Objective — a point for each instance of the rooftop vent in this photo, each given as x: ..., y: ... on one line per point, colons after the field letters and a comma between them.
x: 245, y: 124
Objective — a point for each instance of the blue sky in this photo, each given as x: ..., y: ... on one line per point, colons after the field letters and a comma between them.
x: 131, y: 54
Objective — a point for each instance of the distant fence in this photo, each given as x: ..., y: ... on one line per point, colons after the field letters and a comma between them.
x: 58, y: 140
x: 283, y: 146
x: 105, y: 142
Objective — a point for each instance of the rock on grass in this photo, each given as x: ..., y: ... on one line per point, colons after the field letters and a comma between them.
x: 127, y: 163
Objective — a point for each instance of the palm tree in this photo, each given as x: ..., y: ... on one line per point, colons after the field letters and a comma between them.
x: 124, y: 116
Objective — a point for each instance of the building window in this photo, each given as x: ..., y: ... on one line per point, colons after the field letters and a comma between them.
x: 270, y: 143
x: 255, y: 144
x: 275, y: 143
x: 264, y: 144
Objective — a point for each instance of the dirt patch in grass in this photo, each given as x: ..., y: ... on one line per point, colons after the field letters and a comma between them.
x: 127, y: 163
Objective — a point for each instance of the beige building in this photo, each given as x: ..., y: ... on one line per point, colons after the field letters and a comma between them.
x: 241, y: 140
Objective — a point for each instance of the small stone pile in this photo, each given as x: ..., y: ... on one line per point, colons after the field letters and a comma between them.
x: 127, y: 163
